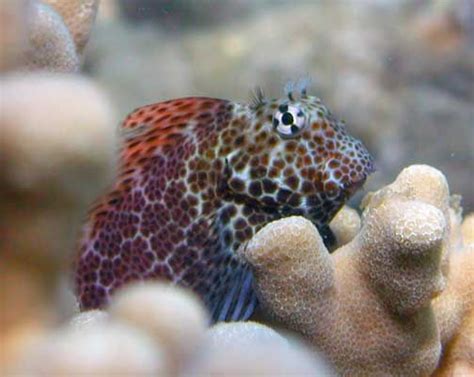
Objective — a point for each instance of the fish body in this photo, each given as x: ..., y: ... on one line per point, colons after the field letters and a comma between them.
x: 198, y: 177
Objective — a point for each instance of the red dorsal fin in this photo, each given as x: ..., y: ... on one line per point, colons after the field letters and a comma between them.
x: 160, y: 124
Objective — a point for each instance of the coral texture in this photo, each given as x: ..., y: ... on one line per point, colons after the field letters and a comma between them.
x: 154, y: 329
x: 454, y: 308
x: 79, y: 17
x: 173, y: 317
x: 51, y: 44
x: 101, y: 349
x: 369, y: 306
x: 468, y: 229
x: 46, y: 35
x: 253, y: 349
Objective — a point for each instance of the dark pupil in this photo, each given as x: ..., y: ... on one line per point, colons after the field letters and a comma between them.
x: 287, y: 119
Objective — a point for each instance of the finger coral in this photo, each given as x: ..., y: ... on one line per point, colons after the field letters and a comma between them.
x: 369, y: 306
x: 51, y: 44
x: 174, y: 317
x: 107, y: 349
x: 154, y: 329
x: 57, y: 148
x: 252, y: 349
x: 69, y: 130
x: 45, y: 34
x: 454, y: 309
x: 79, y: 17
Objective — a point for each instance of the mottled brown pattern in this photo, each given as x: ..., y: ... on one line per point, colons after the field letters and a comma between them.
x: 198, y: 177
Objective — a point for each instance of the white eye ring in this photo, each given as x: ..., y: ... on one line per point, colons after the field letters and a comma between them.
x: 288, y: 120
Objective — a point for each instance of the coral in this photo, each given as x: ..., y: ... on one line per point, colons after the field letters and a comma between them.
x: 46, y: 138
x: 158, y: 329
x: 79, y: 17
x: 454, y: 312
x: 369, y: 306
x: 13, y: 36
x: 58, y: 151
x: 50, y: 144
x: 376, y: 306
x: 51, y: 46
x: 89, y: 319
x: 35, y: 127
x: 97, y: 350
x: 345, y: 225
x: 173, y: 317
x: 161, y: 330
x: 45, y: 35
x: 252, y: 349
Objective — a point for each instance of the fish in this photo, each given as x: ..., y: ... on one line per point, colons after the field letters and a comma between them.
x: 197, y: 178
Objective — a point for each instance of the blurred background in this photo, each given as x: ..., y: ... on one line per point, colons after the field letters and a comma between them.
x: 399, y: 72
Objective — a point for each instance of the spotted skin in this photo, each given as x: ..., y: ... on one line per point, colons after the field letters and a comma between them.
x: 198, y: 177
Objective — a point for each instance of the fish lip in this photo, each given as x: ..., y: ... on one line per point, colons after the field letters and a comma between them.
x: 354, y: 185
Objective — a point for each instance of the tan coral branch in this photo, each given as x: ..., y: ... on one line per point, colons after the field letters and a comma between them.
x: 79, y: 17
x: 368, y: 306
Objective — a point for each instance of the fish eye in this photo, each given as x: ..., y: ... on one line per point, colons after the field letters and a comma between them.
x: 288, y: 120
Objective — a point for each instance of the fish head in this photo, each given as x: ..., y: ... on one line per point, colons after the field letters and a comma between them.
x: 295, y: 157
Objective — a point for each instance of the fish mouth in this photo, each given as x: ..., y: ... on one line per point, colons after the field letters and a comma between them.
x: 356, y: 184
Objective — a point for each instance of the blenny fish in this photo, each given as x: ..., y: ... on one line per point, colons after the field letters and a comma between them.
x: 198, y: 177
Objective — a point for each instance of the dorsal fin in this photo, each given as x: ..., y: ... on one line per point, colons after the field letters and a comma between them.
x: 160, y: 124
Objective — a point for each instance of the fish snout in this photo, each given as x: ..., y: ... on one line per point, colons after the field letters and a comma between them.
x: 348, y: 169
x: 361, y: 165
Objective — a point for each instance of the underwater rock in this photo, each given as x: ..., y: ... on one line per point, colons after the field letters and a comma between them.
x: 368, y: 307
